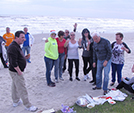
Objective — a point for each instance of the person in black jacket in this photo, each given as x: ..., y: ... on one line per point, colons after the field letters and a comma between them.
x: 1, y: 55
x: 117, y: 63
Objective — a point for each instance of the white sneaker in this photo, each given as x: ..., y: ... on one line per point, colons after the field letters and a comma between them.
x: 56, y: 81
x: 88, y: 76
x: 32, y: 109
x: 18, y: 103
x: 85, y: 77
x: 61, y: 79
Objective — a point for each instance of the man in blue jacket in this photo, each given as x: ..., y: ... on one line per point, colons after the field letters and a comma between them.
x: 28, y: 43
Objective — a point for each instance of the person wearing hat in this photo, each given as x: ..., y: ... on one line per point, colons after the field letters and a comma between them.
x: 51, y: 57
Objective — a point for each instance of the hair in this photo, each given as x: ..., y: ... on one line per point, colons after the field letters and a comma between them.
x: 86, y: 30
x: 96, y: 34
x: 17, y: 33
x: 121, y: 35
x: 7, y: 27
x: 25, y: 28
x: 60, y: 33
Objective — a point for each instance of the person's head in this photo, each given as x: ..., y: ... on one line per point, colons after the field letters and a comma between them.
x: 72, y: 35
x: 19, y: 37
x: 86, y: 33
x: 53, y: 34
x: 7, y: 30
x: 119, y: 37
x: 25, y: 30
x: 66, y: 33
x: 96, y: 37
x: 61, y: 35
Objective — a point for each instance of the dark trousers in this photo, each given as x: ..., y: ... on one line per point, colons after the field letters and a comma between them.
x: 125, y: 86
x: 2, y: 60
x: 64, y: 65
x: 89, y: 61
x: 70, y: 67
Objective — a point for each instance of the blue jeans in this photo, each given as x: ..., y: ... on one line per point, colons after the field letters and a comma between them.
x: 117, y: 68
x: 26, y: 48
x: 60, y: 63
x: 49, y: 65
x: 100, y: 67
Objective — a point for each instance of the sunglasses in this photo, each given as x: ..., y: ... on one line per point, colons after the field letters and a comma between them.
x: 66, y: 32
x: 72, y: 34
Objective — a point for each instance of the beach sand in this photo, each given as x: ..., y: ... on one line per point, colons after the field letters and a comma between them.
x: 65, y: 92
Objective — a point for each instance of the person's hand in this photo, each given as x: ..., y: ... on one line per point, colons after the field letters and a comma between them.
x: 79, y: 42
x: 31, y: 44
x: 46, y: 40
x: 27, y: 56
x: 105, y: 63
x: 65, y: 57
x: 94, y: 65
x: 133, y: 69
x: 89, y: 42
x: 19, y: 73
x: 75, y: 25
x: 125, y: 49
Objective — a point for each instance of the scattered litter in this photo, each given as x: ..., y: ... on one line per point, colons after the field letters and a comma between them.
x: 47, y: 111
x: 67, y: 109
x: 110, y: 97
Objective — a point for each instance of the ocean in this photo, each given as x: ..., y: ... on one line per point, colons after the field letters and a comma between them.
x: 43, y: 24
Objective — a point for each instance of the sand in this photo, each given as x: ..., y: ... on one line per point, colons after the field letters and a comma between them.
x: 65, y: 92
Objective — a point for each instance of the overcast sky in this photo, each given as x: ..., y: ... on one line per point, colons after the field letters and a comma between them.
x: 76, y: 8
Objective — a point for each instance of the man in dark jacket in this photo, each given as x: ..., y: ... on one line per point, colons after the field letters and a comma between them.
x: 17, y: 64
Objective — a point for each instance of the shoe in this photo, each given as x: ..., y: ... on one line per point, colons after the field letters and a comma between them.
x: 112, y: 84
x: 85, y: 77
x: 132, y: 98
x: 71, y: 79
x: 28, y: 61
x: 32, y: 109
x: 6, y: 67
x: 61, y: 79
x: 105, y: 92
x: 77, y: 79
x: 17, y: 104
x: 88, y: 76
x: 51, y: 85
x: 91, y: 81
x: 94, y: 84
x: 56, y: 81
x: 96, y: 88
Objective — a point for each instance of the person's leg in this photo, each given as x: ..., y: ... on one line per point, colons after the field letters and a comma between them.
x: 85, y: 65
x: 2, y: 60
x: 28, y: 52
x: 48, y: 63
x: 119, y: 71
x: 20, y: 87
x: 61, y: 62
x: 70, y: 67
x: 76, y: 61
x: 56, y: 68
x: 64, y: 66
x: 99, y: 74
x: 23, y: 49
x: 114, y: 69
x: 106, y: 75
x: 90, y: 62
x: 94, y: 70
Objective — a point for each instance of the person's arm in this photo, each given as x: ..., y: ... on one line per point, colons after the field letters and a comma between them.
x: 66, y: 43
x: 126, y: 48
x: 31, y: 39
x: 18, y: 70
x: 108, y: 49
x: 128, y: 82
x: 94, y: 55
x: 75, y: 27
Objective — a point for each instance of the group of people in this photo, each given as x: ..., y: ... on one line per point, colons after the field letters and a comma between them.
x: 98, y: 54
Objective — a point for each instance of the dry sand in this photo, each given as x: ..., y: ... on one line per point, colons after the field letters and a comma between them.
x: 65, y: 92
